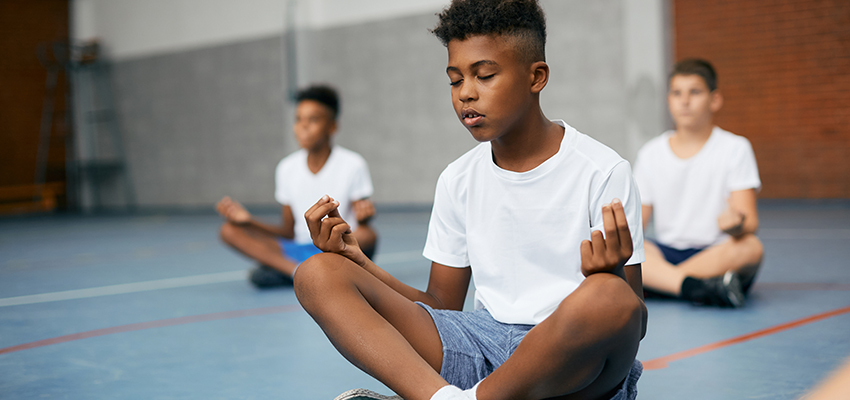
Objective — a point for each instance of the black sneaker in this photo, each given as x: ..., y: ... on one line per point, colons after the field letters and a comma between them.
x: 264, y: 276
x: 365, y: 394
x: 724, y: 291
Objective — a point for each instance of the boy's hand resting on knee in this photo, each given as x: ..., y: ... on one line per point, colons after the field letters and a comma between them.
x: 608, y: 253
x: 364, y: 210
x: 731, y: 221
x: 233, y: 211
x: 330, y: 232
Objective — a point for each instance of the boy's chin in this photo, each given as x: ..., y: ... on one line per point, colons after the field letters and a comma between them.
x: 692, y: 123
x: 480, y: 134
x: 481, y: 138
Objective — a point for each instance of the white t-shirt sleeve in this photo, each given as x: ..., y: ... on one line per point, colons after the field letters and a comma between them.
x: 643, y: 178
x: 446, y: 241
x: 619, y: 184
x: 744, y: 173
x: 280, y: 193
x: 361, y: 181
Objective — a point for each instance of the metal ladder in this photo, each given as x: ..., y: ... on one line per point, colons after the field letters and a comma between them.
x: 95, y: 155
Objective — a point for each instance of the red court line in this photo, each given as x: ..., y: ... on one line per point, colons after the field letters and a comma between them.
x: 153, y: 324
x: 662, y: 362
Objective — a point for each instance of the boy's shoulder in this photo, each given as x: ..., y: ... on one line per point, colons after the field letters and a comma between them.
x: 299, y: 157
x: 576, y: 148
x: 296, y: 157
x: 347, y: 154
x: 593, y: 152
x: 729, y: 137
x: 465, y: 161
x: 657, y: 143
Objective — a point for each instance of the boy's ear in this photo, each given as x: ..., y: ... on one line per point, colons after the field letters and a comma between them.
x: 716, y: 100
x: 331, y: 128
x: 539, y: 76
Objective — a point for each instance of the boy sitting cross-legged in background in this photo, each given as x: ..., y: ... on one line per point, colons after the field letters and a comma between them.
x: 558, y: 305
x: 698, y: 184
x: 318, y: 168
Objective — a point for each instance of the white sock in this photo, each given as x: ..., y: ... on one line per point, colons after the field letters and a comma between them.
x: 470, y: 393
x: 449, y: 392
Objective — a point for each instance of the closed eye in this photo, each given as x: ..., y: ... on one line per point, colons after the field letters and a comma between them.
x: 455, y: 83
x: 484, y: 78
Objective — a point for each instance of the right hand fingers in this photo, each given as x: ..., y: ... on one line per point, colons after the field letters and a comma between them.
x: 314, y: 215
x: 330, y: 236
x: 223, y: 205
x: 363, y: 210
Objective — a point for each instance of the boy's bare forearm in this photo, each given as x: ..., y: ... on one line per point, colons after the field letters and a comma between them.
x: 743, y: 213
x: 405, y: 290
x: 447, y: 286
x: 747, y: 225
x: 270, y: 229
x: 634, y: 277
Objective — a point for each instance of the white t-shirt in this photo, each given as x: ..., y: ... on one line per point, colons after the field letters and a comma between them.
x: 521, y: 232
x: 687, y: 195
x: 344, y: 177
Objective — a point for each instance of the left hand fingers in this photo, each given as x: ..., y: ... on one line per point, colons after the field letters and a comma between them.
x: 612, y: 235
x: 615, y: 247
x: 624, y: 235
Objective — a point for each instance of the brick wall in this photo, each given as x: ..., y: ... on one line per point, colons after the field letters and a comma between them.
x: 784, y: 70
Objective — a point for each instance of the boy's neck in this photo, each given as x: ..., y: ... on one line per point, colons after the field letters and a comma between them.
x: 316, y: 158
x: 688, y: 141
x: 536, y: 140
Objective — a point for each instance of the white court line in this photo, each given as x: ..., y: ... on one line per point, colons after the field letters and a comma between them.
x: 169, y: 283
x: 125, y: 288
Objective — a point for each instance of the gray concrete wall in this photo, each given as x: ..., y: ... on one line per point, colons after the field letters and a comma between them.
x: 203, y: 123
x: 208, y: 122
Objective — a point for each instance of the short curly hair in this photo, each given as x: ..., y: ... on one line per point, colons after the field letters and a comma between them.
x: 698, y: 67
x: 522, y: 19
x: 323, y: 94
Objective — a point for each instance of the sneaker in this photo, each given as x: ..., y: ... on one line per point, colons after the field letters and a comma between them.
x: 725, y: 291
x: 264, y: 276
x: 365, y: 394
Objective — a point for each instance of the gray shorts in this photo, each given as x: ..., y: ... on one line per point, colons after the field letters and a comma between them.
x: 475, y: 344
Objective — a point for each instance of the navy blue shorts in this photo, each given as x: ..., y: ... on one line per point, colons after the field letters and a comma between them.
x: 475, y: 344
x: 676, y: 256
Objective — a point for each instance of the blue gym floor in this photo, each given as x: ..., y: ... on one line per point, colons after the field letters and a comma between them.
x: 154, y: 307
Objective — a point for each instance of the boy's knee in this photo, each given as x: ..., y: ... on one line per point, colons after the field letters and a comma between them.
x: 228, y: 231
x: 316, y: 272
x: 750, y: 249
x: 758, y: 248
x: 609, y: 302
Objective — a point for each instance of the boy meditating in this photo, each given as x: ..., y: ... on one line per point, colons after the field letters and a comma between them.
x: 319, y: 167
x: 698, y: 184
x: 558, y: 304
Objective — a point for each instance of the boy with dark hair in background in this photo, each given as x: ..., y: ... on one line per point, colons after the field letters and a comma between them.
x: 698, y: 184
x: 558, y: 305
x: 300, y: 178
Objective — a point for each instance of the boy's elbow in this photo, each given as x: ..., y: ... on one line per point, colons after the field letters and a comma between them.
x: 754, y: 224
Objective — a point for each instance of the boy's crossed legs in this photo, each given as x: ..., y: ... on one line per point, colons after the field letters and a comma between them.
x: 584, y: 349
x: 741, y: 255
x: 258, y: 244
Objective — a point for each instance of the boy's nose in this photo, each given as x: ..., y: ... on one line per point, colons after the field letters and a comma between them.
x: 466, y: 93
